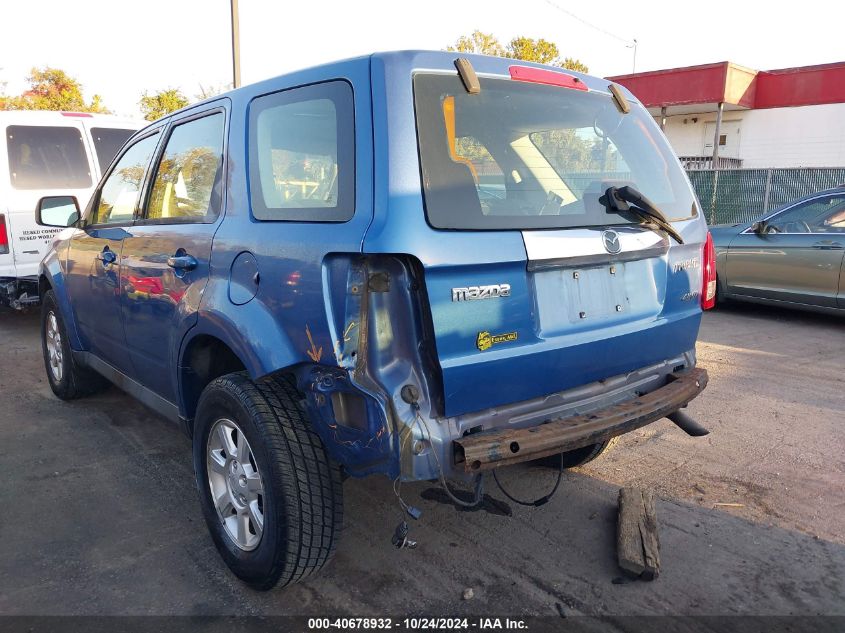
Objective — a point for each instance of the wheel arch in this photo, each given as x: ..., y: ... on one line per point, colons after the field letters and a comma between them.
x: 51, y: 277
x: 218, y: 346
x: 203, y: 358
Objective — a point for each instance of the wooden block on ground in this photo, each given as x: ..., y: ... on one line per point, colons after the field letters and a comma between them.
x: 637, y: 542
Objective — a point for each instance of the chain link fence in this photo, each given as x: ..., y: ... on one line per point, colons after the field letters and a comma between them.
x: 731, y: 196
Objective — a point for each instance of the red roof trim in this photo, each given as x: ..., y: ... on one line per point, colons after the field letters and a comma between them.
x: 734, y: 84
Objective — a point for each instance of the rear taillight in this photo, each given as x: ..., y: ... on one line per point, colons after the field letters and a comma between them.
x: 708, y: 284
x: 4, y: 237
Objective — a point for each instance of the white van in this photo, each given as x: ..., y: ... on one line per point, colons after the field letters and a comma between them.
x: 44, y: 154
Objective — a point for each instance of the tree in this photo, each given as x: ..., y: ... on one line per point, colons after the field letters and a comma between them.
x: 212, y: 90
x: 524, y: 48
x: 154, y: 106
x: 478, y: 42
x: 52, y: 89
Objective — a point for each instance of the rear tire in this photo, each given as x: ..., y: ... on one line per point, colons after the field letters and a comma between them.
x: 67, y: 378
x: 295, y: 530
x: 577, y: 457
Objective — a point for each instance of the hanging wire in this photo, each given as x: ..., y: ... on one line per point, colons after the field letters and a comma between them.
x: 479, y: 479
x: 588, y: 24
x: 537, y: 502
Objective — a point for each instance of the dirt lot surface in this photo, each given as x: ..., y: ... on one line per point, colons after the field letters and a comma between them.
x: 101, y: 514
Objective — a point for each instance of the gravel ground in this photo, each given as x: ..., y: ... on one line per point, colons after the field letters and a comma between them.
x: 101, y: 514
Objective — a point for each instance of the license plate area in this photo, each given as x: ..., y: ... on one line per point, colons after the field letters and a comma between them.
x: 573, y: 299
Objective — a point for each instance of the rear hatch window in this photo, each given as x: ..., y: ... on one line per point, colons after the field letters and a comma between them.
x: 521, y: 156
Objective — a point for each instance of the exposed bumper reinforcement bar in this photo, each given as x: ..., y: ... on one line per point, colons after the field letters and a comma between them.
x: 500, y: 447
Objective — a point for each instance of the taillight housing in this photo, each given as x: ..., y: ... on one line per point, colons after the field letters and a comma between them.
x: 4, y: 236
x: 708, y: 283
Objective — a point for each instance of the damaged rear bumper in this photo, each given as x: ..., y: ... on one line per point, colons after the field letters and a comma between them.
x: 490, y: 449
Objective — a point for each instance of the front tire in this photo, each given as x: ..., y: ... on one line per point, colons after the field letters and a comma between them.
x: 270, y: 494
x: 67, y: 378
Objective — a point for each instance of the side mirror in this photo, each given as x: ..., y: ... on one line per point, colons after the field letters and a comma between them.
x: 57, y: 211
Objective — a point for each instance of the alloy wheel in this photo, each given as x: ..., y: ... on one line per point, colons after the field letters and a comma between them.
x: 55, y: 353
x: 235, y: 484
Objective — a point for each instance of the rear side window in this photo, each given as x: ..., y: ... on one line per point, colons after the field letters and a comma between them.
x: 107, y: 140
x: 187, y: 186
x: 302, y: 154
x: 42, y: 157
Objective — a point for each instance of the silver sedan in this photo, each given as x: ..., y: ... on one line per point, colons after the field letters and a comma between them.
x: 791, y: 257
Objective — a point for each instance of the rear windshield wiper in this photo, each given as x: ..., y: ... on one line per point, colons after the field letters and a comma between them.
x: 628, y: 199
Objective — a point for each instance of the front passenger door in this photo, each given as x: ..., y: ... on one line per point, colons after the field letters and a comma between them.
x: 94, y: 255
x: 164, y: 267
x: 797, y: 258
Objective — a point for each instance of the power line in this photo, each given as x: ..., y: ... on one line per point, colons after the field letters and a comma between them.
x: 589, y: 24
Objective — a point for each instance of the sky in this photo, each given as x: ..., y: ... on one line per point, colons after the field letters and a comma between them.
x: 120, y: 49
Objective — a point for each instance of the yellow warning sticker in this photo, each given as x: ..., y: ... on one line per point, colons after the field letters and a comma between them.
x: 486, y: 340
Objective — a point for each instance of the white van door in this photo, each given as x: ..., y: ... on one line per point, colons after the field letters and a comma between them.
x: 52, y: 157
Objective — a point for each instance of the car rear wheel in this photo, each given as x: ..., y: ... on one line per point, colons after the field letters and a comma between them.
x: 67, y: 378
x: 270, y: 494
x: 577, y: 457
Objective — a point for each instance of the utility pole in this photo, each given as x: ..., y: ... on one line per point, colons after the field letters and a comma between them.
x: 236, y: 46
x: 717, y: 133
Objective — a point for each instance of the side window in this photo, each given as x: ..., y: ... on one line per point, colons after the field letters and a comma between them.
x: 107, y: 142
x: 823, y: 215
x: 302, y: 154
x: 118, y: 196
x: 833, y: 220
x: 47, y: 157
x: 188, y: 178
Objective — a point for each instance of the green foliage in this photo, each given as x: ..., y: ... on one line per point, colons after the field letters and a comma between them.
x: 478, y: 42
x: 524, y: 48
x: 574, y: 64
x: 52, y: 89
x: 212, y: 90
x: 154, y: 106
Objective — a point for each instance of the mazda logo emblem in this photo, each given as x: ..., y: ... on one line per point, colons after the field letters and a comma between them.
x: 611, y: 242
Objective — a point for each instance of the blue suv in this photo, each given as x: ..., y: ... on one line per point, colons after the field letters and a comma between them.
x: 405, y: 264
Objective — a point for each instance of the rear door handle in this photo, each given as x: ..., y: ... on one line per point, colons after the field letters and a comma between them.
x: 182, y: 262
x: 828, y: 245
x: 107, y: 256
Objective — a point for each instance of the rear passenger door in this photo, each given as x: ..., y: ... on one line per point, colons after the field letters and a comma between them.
x: 164, y: 267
